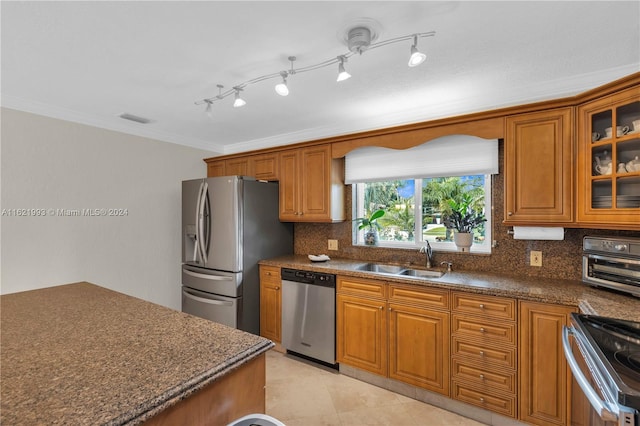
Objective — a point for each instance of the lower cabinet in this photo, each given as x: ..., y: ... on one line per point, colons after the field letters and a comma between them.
x: 544, y: 375
x: 270, y: 303
x: 400, y: 336
x: 484, y: 352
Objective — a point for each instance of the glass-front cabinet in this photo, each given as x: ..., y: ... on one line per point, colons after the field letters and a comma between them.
x: 609, y: 161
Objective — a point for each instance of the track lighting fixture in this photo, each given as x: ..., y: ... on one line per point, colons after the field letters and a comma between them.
x: 281, y: 88
x: 416, y: 57
x: 208, y: 110
x: 342, y: 73
x: 238, y: 102
x: 358, y: 39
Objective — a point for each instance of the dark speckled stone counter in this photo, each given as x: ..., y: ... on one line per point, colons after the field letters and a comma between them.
x: 564, y: 292
x: 84, y: 355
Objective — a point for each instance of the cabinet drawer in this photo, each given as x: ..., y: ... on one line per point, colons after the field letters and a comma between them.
x: 502, y: 404
x: 362, y: 287
x: 429, y: 297
x: 270, y: 274
x: 484, y: 330
x: 483, y: 378
x: 501, y: 357
x: 491, y: 306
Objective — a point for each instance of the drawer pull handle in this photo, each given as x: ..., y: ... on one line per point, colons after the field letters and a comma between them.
x: 481, y: 306
x: 482, y: 330
x: 482, y: 377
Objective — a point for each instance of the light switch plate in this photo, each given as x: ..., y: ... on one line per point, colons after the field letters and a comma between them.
x: 536, y: 258
x: 333, y: 244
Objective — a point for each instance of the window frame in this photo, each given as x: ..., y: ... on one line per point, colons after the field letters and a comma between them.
x: 418, y: 242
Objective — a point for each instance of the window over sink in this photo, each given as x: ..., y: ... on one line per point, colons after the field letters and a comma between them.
x: 415, y: 208
x: 414, y: 186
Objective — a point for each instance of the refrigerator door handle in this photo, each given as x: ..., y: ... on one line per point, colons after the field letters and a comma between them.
x: 197, y: 222
x: 201, y: 215
x: 207, y: 276
x: 207, y: 301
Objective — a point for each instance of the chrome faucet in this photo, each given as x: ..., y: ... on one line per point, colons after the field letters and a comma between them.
x: 428, y: 252
x: 449, y: 265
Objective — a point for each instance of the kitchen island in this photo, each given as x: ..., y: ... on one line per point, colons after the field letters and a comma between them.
x: 85, y: 355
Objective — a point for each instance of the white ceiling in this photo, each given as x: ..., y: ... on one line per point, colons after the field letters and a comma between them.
x: 90, y: 61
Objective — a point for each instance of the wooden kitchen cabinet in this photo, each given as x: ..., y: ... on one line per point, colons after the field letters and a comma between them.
x: 215, y: 168
x: 609, y: 197
x: 419, y: 337
x: 539, y: 168
x: 311, y: 185
x: 484, y: 351
x: 270, y: 303
x: 544, y: 375
x: 361, y: 324
x: 266, y: 166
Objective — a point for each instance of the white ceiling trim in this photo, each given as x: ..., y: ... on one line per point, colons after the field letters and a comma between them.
x: 110, y: 123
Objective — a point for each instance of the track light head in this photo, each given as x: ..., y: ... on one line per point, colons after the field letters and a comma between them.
x: 342, y: 73
x: 238, y: 101
x: 281, y: 88
x: 416, y: 57
x: 208, y: 110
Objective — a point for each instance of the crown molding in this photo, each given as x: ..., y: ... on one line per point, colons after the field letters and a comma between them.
x: 108, y: 123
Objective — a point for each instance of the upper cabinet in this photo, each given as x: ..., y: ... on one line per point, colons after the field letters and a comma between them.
x: 311, y: 185
x: 609, y: 161
x: 538, y: 167
x: 259, y: 166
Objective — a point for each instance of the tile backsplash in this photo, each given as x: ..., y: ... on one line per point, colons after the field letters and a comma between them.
x: 560, y: 259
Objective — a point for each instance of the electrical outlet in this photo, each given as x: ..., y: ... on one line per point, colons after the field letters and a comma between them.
x: 333, y: 244
x: 536, y: 258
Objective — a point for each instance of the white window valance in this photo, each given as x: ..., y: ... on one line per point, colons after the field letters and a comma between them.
x: 455, y: 155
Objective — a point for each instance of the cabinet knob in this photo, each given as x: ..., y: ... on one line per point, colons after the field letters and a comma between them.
x: 481, y: 306
x: 482, y: 377
x: 482, y: 353
x: 389, y: 309
x: 382, y: 307
x: 509, y: 213
x: 481, y: 399
x: 482, y: 330
x: 268, y: 273
x: 277, y: 288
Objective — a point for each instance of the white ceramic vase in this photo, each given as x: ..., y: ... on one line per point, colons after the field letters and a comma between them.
x: 463, y: 241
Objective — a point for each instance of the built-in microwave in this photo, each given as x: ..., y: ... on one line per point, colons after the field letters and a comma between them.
x: 612, y: 262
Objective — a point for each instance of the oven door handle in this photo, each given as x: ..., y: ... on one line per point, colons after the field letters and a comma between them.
x: 601, y: 407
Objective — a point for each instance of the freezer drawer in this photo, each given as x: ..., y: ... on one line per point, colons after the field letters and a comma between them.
x: 217, y: 282
x: 220, y: 309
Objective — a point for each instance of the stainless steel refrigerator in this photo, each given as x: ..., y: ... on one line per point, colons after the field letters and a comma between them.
x: 229, y: 223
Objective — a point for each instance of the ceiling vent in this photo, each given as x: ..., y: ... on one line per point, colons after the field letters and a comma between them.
x: 136, y: 118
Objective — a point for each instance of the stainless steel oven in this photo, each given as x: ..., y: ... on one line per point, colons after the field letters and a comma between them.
x: 605, y: 362
x: 612, y: 262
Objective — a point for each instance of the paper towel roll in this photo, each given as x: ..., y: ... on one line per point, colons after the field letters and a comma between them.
x: 537, y: 233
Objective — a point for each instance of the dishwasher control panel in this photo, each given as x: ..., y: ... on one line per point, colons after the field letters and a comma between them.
x: 308, y: 277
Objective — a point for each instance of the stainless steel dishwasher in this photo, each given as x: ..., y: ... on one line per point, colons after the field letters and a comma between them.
x: 309, y: 314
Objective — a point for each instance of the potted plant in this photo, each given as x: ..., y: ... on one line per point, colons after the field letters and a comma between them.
x: 372, y: 225
x: 463, y: 219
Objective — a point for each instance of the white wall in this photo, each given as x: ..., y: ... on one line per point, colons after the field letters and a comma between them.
x: 54, y: 164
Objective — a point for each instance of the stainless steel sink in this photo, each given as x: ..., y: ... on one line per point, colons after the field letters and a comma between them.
x: 399, y: 270
x: 421, y: 273
x: 381, y: 269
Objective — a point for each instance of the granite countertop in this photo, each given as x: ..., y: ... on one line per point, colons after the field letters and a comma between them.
x: 564, y: 292
x: 85, y: 355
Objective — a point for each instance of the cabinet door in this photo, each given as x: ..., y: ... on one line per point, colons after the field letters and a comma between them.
x: 289, y: 190
x: 270, y: 303
x: 544, y: 375
x: 362, y: 333
x: 215, y: 168
x: 539, y: 168
x: 315, y: 182
x: 237, y: 166
x: 419, y: 347
x: 265, y: 167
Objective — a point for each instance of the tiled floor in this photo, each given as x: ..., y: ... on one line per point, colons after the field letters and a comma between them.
x: 302, y: 394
